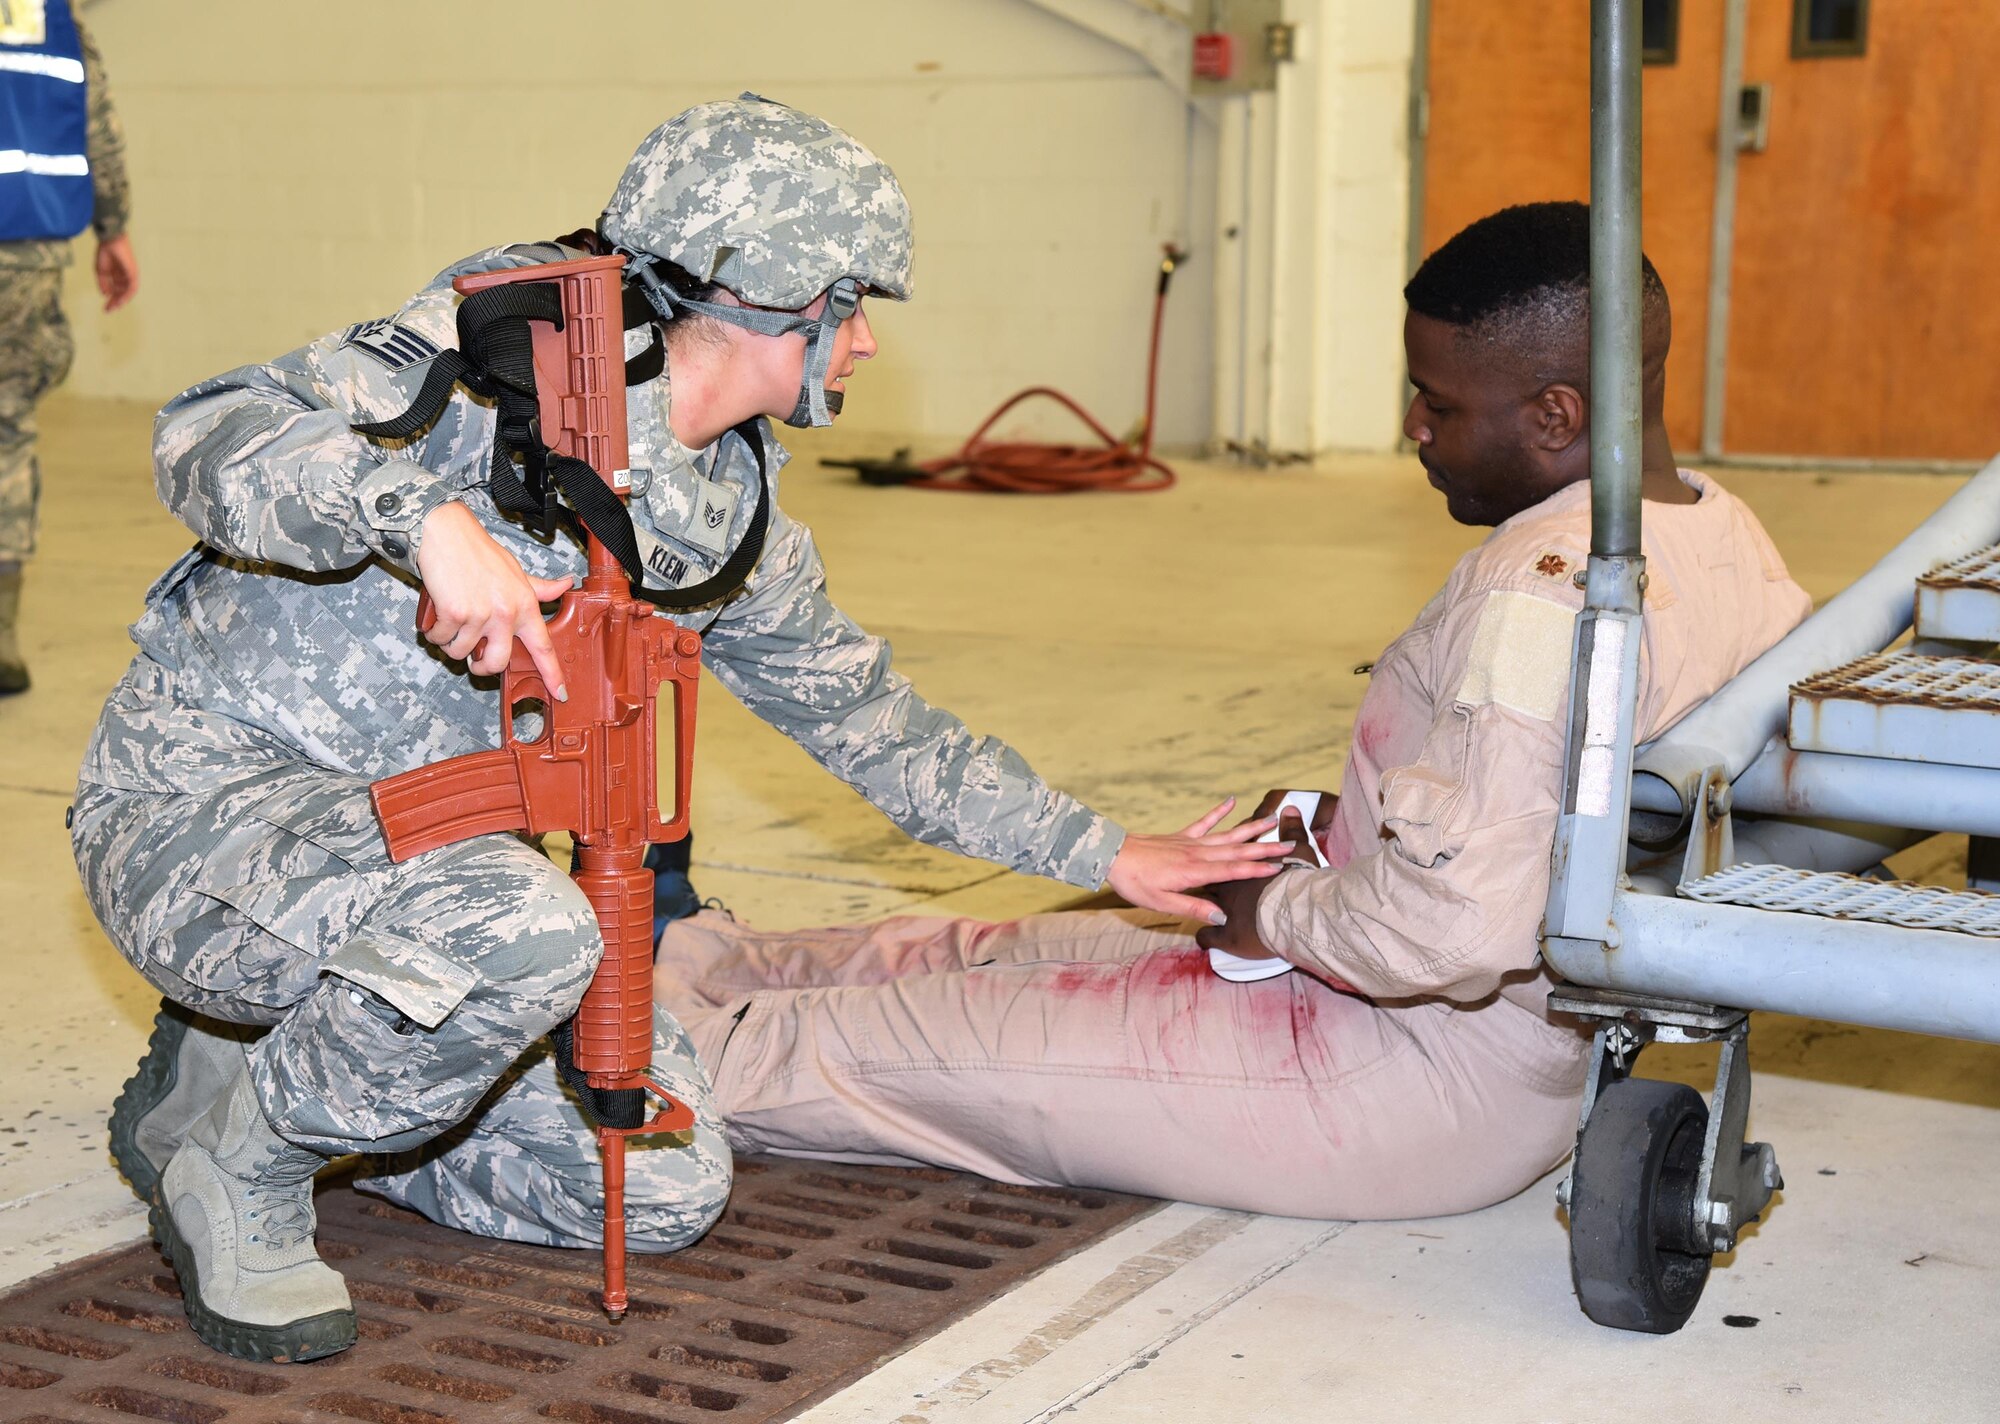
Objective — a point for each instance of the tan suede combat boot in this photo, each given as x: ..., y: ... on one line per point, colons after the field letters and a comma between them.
x: 13, y: 671
x: 188, y: 1062
x: 234, y: 1213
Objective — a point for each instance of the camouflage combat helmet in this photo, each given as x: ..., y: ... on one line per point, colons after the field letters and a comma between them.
x: 778, y: 207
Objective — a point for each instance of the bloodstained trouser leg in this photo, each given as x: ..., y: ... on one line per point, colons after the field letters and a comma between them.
x: 1099, y: 1050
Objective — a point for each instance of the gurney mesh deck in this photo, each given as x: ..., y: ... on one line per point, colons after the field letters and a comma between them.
x: 1850, y: 897
x: 1908, y: 679
x: 1976, y: 570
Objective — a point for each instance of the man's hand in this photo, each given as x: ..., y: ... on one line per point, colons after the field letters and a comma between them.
x: 1322, y: 820
x: 1156, y: 871
x: 1237, y: 931
x: 1237, y: 900
x: 482, y: 598
x: 117, y: 271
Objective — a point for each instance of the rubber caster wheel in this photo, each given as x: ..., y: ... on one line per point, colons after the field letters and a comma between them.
x: 1633, y: 1253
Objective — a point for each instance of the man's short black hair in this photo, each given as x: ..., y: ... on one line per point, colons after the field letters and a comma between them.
x: 1520, y: 279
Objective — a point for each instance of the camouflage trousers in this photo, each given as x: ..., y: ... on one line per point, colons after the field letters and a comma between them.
x: 405, y: 1004
x: 35, y: 351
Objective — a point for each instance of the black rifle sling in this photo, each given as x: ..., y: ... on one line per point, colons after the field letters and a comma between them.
x: 732, y: 575
x: 495, y: 359
x: 613, y: 1107
x: 653, y: 360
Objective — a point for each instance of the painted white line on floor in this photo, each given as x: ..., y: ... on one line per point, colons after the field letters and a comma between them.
x: 30, y: 1198
x: 1133, y: 1276
x: 91, y: 1215
x: 1140, y: 1358
x: 1083, y: 1323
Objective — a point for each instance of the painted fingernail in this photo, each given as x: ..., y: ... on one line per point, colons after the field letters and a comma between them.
x: 562, y: 694
x: 1218, y: 919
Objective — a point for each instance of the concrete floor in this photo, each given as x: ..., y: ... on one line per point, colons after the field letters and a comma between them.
x: 1148, y: 654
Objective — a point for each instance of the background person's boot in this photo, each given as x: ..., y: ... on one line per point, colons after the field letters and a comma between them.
x: 13, y: 671
x: 188, y: 1062
x: 234, y: 1213
x: 673, y: 892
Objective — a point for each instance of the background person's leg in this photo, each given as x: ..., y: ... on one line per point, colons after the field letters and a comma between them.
x: 35, y: 352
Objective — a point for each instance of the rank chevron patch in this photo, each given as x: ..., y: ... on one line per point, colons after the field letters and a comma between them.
x: 390, y: 342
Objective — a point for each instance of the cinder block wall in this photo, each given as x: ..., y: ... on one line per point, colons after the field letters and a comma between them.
x: 300, y: 167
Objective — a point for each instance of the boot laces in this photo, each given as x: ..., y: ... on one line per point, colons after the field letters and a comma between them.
x: 284, y: 1224
x: 283, y: 1214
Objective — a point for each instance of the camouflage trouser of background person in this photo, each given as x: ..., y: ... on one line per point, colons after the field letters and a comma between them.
x: 406, y: 1004
x: 35, y: 352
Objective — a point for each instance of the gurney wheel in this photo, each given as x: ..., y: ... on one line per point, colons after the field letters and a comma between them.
x: 1635, y: 1254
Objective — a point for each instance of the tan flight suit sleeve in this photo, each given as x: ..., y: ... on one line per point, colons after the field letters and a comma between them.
x: 1452, y: 899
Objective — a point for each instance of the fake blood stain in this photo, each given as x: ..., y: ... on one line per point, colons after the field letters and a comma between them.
x: 1096, y: 979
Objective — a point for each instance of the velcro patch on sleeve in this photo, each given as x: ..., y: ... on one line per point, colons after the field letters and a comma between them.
x: 713, y: 513
x: 1520, y: 655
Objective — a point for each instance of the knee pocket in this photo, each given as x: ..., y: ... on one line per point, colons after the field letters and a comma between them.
x: 313, y: 1079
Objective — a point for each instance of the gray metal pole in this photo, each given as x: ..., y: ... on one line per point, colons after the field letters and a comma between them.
x: 1589, y: 854
x: 1722, y: 233
x: 1616, y: 430
x: 1850, y: 971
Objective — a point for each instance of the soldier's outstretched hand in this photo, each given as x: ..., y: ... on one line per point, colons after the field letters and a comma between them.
x: 1156, y: 872
x: 483, y: 599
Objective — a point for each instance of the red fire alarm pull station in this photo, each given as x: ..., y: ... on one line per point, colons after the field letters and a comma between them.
x: 1215, y: 55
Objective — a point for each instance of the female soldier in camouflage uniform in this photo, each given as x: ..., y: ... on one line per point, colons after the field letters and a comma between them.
x: 223, y: 826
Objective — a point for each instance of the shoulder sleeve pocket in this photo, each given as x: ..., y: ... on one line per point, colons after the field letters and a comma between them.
x: 1419, y: 801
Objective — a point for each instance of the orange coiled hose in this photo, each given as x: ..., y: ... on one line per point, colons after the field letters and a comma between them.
x: 1032, y: 467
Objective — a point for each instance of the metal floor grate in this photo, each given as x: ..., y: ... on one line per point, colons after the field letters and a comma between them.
x: 815, y: 1274
x: 1850, y: 897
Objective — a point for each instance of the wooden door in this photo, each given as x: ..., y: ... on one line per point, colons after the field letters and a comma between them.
x: 1509, y: 122
x: 1865, y: 289
x: 1865, y: 271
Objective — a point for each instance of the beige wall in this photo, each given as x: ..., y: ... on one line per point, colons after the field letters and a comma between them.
x: 300, y: 167
x: 1362, y: 220
x: 1311, y: 219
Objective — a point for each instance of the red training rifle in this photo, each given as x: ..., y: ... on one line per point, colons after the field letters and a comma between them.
x: 590, y: 767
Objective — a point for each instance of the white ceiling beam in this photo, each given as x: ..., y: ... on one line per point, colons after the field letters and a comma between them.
x: 1158, y: 31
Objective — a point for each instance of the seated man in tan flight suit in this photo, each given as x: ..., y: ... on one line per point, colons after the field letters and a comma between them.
x: 1408, y: 1067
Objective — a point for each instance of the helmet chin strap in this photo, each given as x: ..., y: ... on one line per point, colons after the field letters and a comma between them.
x: 816, y: 404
